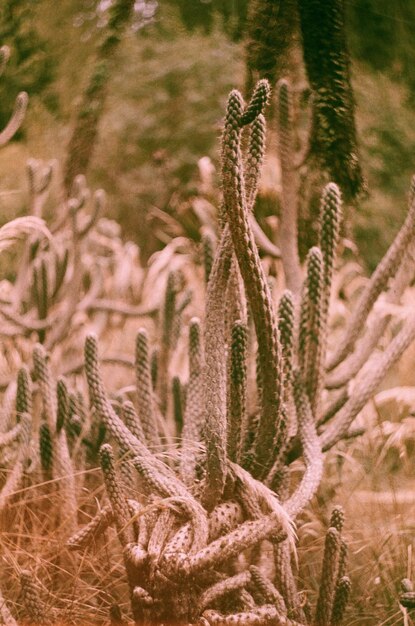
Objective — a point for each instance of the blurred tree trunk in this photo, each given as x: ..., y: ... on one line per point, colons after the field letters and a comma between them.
x: 272, y: 35
x: 333, y: 142
x: 85, y: 132
x: 306, y: 40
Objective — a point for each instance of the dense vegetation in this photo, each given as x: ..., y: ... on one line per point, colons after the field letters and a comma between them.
x: 160, y: 75
x: 194, y: 477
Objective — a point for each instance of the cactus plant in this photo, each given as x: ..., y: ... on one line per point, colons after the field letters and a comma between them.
x: 196, y: 469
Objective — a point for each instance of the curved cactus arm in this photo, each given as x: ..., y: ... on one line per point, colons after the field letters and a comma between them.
x: 86, y: 536
x: 10, y: 436
x: 115, y: 492
x: 366, y: 386
x: 113, y: 423
x: 156, y: 480
x: 16, y: 119
x: 39, y: 176
x: 98, y: 209
x: 312, y: 453
x: 260, y: 615
x: 262, y: 240
x: 20, y: 105
x: 281, y: 443
x: 222, y: 588
x: 4, y: 57
x: 257, y: 497
x: 286, y: 581
x: 225, y: 517
x: 377, y: 283
x: 27, y: 324
x: 79, y: 196
x: 257, y: 103
x: 256, y: 286
x: 181, y: 541
x: 20, y: 227
x: 61, y: 266
x: 165, y: 523
x: 214, y: 431
x: 237, y: 410
x: 266, y: 589
x: 333, y: 406
x: 221, y: 550
x: 157, y: 476
x: 349, y: 368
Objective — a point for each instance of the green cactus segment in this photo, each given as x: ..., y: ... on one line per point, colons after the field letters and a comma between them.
x: 145, y: 402
x: 256, y: 287
x: 312, y: 453
x: 63, y: 406
x: 329, y: 229
x: 312, y: 328
x: 328, y: 578
x: 34, y: 606
x: 44, y: 378
x: 116, y: 496
x: 214, y: 384
x: 169, y: 335
x: 193, y: 417
x: 208, y: 252
x: 178, y: 404
x: 237, y: 414
x: 45, y: 448
x: 257, y: 103
x: 341, y: 600
x: 132, y: 421
x: 116, y: 427
x: 194, y: 412
x: 337, y: 518
x: 254, y: 159
x: 23, y: 393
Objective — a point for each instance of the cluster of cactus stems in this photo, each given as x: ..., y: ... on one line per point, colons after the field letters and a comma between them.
x: 60, y: 279
x: 197, y: 472
x: 81, y: 274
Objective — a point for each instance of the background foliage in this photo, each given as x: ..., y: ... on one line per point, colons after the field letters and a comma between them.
x: 164, y: 110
